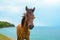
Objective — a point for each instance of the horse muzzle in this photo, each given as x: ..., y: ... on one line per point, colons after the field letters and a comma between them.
x: 31, y: 26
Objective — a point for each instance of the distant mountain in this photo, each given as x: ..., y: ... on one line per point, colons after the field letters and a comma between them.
x: 5, y: 24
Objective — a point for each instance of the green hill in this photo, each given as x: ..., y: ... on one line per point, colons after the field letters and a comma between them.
x: 5, y: 24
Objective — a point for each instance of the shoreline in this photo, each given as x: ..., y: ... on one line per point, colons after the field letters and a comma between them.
x: 4, y: 37
x: 11, y: 38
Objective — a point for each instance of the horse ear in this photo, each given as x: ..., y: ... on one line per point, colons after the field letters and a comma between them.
x: 33, y: 9
x: 26, y: 8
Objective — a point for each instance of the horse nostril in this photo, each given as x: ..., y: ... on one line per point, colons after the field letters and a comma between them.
x: 31, y: 26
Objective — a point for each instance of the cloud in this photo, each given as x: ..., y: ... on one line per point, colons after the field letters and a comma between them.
x: 11, y: 8
x: 14, y: 8
x: 52, y: 2
x: 17, y: 5
x: 5, y: 20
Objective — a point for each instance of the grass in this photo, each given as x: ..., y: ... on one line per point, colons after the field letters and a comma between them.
x: 3, y: 37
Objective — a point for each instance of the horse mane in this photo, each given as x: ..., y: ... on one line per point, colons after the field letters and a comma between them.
x: 22, y: 22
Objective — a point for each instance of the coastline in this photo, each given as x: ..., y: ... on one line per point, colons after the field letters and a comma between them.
x: 11, y: 38
x: 4, y: 37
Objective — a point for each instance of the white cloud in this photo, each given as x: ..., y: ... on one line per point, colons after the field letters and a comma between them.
x: 52, y: 2
x: 13, y: 9
x: 5, y: 20
x: 26, y: 0
x: 18, y: 4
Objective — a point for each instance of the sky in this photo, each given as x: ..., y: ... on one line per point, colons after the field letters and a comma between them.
x: 47, y: 12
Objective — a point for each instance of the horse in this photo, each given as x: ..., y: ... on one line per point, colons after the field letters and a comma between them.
x: 23, y: 29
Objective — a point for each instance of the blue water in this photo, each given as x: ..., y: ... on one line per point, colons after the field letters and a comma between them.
x: 37, y: 33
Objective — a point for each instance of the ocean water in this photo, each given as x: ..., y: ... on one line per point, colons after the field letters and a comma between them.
x: 37, y: 33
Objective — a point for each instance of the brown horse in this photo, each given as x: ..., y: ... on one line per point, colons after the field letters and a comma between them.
x: 23, y: 30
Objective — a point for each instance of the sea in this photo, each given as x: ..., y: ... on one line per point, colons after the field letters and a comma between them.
x: 37, y: 33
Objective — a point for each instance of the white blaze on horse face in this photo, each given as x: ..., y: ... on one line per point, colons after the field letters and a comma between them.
x: 30, y: 22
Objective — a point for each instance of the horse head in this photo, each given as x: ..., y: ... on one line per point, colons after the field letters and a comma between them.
x: 29, y: 15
